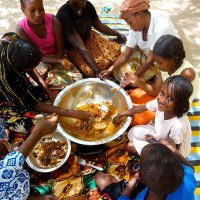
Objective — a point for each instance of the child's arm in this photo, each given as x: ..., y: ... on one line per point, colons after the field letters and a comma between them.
x: 168, y: 142
x: 59, y: 37
x: 49, y: 109
x: 40, y: 81
x: 151, y: 89
x: 45, y: 59
x: 45, y: 126
x: 130, y: 187
x: 59, y: 57
x: 130, y: 112
x: 146, y: 65
x: 22, y: 33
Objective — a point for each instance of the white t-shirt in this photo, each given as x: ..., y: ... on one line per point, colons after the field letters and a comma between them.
x: 159, y: 25
x: 173, y: 127
x: 178, y: 129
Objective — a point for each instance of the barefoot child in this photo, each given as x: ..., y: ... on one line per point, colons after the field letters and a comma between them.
x: 170, y: 108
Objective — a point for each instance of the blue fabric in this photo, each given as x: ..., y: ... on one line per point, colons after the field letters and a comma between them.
x: 14, y: 180
x: 2, y: 132
x: 123, y: 198
x: 184, y: 192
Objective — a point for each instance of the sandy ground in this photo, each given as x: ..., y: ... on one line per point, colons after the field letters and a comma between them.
x: 185, y: 14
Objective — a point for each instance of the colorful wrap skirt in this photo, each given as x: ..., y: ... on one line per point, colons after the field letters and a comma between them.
x: 104, y: 52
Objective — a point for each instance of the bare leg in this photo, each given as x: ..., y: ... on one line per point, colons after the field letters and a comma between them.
x: 103, y: 180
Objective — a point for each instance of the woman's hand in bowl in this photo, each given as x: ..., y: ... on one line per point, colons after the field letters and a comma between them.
x: 106, y: 73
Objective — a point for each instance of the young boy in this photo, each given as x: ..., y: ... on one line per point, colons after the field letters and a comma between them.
x: 14, y: 180
x: 163, y: 173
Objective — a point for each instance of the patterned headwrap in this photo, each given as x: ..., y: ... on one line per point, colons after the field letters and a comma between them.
x: 130, y: 7
x: 16, y: 55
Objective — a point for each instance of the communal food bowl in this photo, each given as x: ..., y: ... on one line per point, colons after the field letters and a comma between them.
x: 105, y: 99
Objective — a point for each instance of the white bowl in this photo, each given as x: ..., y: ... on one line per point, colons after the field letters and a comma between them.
x: 87, y: 91
x: 35, y: 166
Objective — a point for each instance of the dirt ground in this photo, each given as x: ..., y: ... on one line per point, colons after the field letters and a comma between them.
x: 185, y: 14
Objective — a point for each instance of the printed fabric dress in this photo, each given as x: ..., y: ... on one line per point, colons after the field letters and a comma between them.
x: 14, y: 180
x: 18, y: 97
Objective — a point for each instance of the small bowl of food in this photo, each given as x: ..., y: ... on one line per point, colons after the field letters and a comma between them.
x: 50, y: 153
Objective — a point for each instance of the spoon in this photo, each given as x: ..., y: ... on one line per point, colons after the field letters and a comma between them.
x: 83, y: 162
x: 103, y: 79
x: 109, y: 86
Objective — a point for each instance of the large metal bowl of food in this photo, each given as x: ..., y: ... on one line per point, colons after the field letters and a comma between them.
x: 104, y: 99
x: 50, y: 153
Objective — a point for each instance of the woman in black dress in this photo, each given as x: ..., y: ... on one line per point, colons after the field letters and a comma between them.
x: 89, y: 51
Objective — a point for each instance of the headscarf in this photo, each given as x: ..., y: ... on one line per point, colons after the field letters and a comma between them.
x: 130, y: 7
x: 15, y: 55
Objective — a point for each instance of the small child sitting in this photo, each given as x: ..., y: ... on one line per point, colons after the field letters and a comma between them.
x: 170, y: 108
x: 161, y: 171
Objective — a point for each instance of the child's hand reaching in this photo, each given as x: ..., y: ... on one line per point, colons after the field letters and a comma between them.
x: 82, y: 115
x: 168, y: 142
x: 47, y: 125
x: 117, y: 119
x: 131, y: 185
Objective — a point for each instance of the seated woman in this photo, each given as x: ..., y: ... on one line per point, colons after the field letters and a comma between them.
x: 44, y: 30
x: 145, y: 29
x: 19, y: 99
x: 89, y: 52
